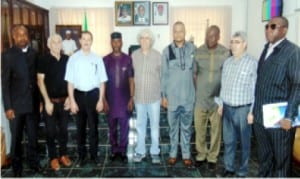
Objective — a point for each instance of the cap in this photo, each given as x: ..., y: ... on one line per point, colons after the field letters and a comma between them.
x: 68, y: 32
x: 116, y: 35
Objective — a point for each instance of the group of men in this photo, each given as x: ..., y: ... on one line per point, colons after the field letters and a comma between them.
x: 205, y: 84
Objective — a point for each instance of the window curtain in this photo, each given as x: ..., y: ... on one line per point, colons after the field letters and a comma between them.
x: 197, y: 19
x: 100, y: 23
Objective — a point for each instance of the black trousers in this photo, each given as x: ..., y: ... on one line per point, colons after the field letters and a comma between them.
x: 274, y: 151
x: 87, y: 114
x: 29, y: 122
x: 57, y: 128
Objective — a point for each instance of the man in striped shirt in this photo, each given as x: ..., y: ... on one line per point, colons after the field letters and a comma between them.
x: 235, y: 104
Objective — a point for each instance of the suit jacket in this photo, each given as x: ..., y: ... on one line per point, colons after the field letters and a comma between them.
x: 278, y: 79
x: 19, y: 87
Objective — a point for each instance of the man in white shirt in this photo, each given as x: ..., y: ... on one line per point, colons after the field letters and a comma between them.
x: 86, y: 76
x: 69, y: 45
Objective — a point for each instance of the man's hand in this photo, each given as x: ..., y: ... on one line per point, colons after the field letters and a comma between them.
x: 99, y: 106
x: 164, y: 103
x: 67, y: 104
x: 105, y: 106
x: 250, y: 118
x: 10, y: 114
x: 286, y: 124
x: 220, y: 110
x: 74, y: 107
x: 130, y: 105
x: 49, y: 108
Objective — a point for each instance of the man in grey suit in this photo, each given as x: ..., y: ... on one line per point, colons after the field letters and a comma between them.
x: 278, y: 80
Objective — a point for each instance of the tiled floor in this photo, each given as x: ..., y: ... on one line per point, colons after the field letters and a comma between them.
x: 131, y: 169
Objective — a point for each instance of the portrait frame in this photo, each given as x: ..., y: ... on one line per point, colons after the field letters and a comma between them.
x: 160, y: 13
x: 120, y: 7
x: 75, y: 32
x: 144, y: 19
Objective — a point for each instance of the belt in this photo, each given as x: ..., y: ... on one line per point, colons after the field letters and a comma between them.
x: 86, y: 92
x: 240, y: 106
x: 58, y: 100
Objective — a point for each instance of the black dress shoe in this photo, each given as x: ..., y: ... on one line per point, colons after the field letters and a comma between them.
x: 80, y: 162
x: 199, y: 163
x: 36, y: 168
x: 18, y: 174
x: 227, y: 173
x: 211, y: 165
x: 113, y: 157
x: 96, y: 161
x: 124, y: 158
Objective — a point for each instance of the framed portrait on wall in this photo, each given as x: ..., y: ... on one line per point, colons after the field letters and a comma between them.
x: 123, y: 13
x: 141, y: 13
x: 160, y: 13
x: 69, y: 34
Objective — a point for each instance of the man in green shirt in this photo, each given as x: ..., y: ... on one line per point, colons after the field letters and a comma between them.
x: 209, y: 59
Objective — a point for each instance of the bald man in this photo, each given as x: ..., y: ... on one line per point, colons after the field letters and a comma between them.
x: 278, y: 80
x: 20, y: 99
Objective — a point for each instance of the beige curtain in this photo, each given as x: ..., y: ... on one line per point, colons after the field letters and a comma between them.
x: 197, y: 19
x: 100, y: 23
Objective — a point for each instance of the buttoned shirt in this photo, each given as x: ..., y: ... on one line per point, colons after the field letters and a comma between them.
x: 238, y: 80
x: 85, y: 71
x: 146, y: 76
x: 209, y: 69
x: 177, y: 81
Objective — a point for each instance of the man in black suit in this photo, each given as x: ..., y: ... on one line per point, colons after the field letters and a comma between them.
x: 278, y: 80
x: 20, y: 98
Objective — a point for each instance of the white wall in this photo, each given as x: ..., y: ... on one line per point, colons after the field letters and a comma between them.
x: 255, y: 27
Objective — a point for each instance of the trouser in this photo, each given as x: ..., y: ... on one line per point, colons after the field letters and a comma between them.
x: 87, y: 114
x: 236, y: 127
x: 57, y: 128
x: 121, y: 144
x: 153, y: 111
x: 201, y: 122
x: 30, y: 122
x: 274, y: 151
x: 180, y: 119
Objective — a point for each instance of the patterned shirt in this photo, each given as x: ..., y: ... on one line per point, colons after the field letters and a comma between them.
x: 85, y: 72
x: 238, y: 81
x: 209, y: 69
x: 178, y: 68
x: 146, y: 76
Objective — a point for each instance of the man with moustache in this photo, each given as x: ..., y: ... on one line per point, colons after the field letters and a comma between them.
x: 86, y: 76
x: 20, y: 98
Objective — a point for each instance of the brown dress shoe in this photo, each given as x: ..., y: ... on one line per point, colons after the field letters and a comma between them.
x: 65, y: 160
x: 55, y: 164
x: 172, y: 161
x: 187, y: 162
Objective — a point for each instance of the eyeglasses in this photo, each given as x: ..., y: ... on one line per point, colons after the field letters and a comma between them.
x: 272, y: 26
x: 235, y: 42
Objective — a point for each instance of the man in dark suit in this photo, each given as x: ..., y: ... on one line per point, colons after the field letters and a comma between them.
x: 278, y: 80
x: 20, y: 99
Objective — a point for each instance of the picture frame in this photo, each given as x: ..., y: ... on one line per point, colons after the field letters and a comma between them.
x: 75, y: 32
x: 141, y: 13
x: 160, y: 13
x: 123, y: 13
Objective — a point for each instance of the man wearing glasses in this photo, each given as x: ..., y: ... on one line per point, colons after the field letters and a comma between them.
x: 278, y: 80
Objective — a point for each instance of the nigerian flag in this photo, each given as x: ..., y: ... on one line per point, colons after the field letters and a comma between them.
x: 85, y: 23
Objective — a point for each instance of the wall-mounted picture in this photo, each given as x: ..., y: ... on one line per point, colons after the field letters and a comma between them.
x: 141, y: 13
x: 271, y: 9
x: 160, y: 13
x: 123, y: 13
x: 70, y: 35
